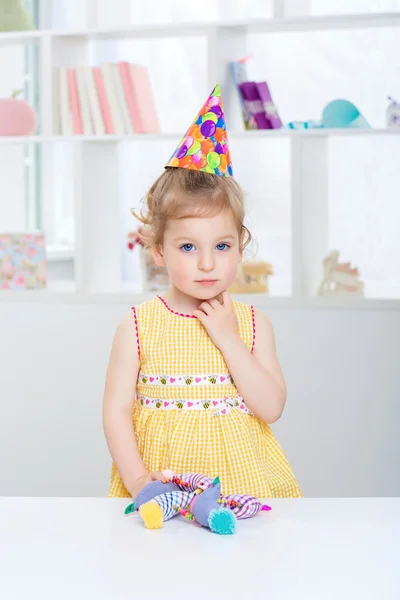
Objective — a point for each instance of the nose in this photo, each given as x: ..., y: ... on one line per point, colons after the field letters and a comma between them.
x: 206, y: 261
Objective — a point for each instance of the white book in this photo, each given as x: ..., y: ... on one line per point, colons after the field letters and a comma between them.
x: 109, y: 84
x: 122, y: 103
x: 64, y: 104
x: 56, y: 124
x: 84, y: 101
x: 94, y: 103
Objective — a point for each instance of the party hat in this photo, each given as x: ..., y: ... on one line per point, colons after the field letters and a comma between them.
x: 204, y: 147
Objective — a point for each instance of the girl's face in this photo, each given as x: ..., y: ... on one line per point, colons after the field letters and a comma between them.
x: 201, y: 254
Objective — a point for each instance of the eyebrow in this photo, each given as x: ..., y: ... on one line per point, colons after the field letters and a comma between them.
x: 221, y: 237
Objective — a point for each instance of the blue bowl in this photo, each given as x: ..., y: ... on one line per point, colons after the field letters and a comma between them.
x: 342, y: 113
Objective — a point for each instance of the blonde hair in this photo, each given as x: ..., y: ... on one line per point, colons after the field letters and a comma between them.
x: 181, y: 193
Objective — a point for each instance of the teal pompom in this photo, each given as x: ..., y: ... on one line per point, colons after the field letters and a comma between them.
x: 222, y: 521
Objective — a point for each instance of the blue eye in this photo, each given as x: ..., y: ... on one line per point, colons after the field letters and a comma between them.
x: 187, y: 247
x: 222, y: 246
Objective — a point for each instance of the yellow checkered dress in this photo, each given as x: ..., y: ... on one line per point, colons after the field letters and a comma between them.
x: 188, y: 415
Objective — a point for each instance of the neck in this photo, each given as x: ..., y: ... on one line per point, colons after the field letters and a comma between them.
x: 181, y: 302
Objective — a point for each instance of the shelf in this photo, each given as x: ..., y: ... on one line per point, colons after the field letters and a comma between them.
x: 162, y: 30
x: 159, y: 137
x: 42, y: 139
x: 65, y: 293
x: 59, y: 252
x: 21, y: 37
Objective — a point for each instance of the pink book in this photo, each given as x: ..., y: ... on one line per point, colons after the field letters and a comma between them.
x: 127, y: 84
x: 137, y: 88
x: 74, y: 102
x: 104, y: 106
x: 145, y: 99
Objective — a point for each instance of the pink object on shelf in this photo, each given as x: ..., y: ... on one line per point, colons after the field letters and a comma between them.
x: 104, y: 105
x: 139, y: 96
x: 145, y: 99
x: 74, y: 102
x: 127, y: 84
x: 17, y: 117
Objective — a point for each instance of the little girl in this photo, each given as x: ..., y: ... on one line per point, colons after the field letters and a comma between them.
x: 196, y: 372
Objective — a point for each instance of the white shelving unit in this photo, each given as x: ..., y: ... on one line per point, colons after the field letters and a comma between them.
x: 97, y: 265
x: 157, y: 137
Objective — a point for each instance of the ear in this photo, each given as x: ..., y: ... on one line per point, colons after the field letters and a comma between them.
x: 241, y: 242
x: 158, y: 255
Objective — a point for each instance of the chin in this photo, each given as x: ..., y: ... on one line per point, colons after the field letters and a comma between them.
x: 208, y: 293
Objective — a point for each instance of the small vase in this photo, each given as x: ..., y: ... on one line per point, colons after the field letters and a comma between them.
x: 14, y: 16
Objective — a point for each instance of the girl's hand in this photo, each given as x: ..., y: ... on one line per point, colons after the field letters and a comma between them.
x: 219, y: 320
x: 139, y: 484
x: 144, y: 480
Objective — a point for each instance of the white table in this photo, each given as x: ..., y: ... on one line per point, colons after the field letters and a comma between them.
x: 75, y: 549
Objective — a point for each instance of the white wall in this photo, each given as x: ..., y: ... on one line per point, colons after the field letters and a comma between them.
x: 340, y: 429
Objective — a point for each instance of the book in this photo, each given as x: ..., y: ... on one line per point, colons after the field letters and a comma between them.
x: 56, y: 102
x: 269, y: 107
x: 239, y: 74
x: 84, y: 102
x: 148, y: 120
x: 139, y: 96
x: 94, y: 102
x: 109, y: 85
x: 121, y: 98
x: 127, y: 84
x: 66, y: 127
x: 103, y: 100
x: 77, y: 126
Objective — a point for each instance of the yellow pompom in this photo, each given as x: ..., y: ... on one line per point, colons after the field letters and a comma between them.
x: 152, y: 515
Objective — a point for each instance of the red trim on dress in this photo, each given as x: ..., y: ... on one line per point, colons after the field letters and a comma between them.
x: 254, y: 328
x: 174, y: 312
x: 137, y: 329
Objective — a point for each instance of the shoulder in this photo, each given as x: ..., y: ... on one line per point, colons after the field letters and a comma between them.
x: 263, y: 332
x: 257, y: 315
x: 136, y: 313
x: 147, y: 308
x: 139, y: 318
x: 262, y: 319
x: 260, y: 324
x: 127, y: 325
x: 241, y: 308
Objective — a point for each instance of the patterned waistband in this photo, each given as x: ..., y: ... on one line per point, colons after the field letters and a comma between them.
x: 185, y: 380
x: 222, y: 406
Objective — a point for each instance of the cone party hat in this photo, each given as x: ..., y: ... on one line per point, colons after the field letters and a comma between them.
x: 204, y: 147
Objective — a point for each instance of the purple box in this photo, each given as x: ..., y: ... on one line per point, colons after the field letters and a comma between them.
x: 253, y: 104
x: 270, y: 110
